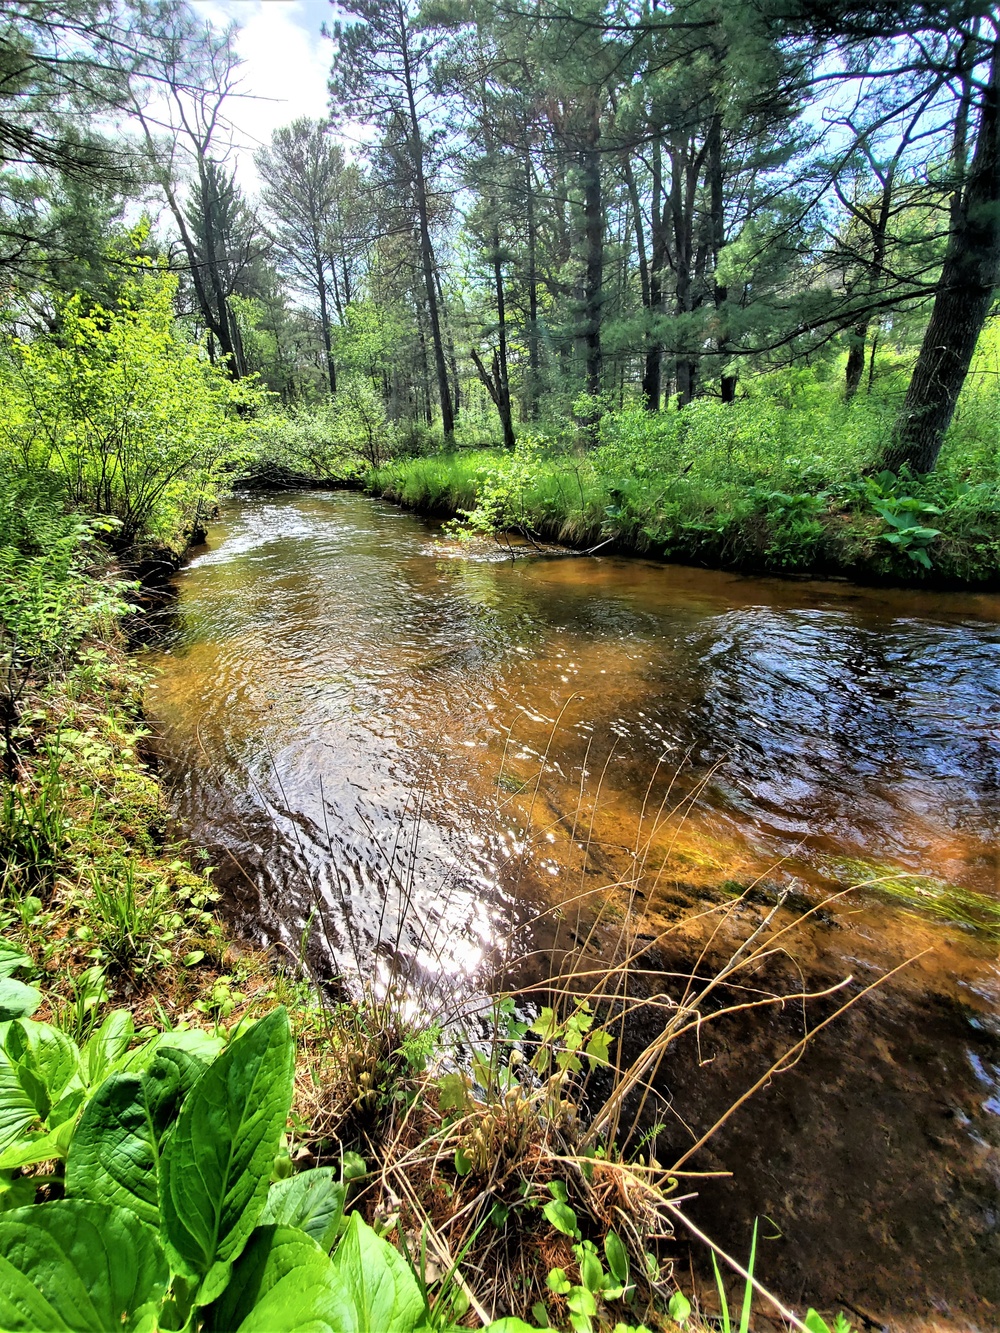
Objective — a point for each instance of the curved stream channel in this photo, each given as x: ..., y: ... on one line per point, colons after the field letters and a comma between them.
x: 447, y: 757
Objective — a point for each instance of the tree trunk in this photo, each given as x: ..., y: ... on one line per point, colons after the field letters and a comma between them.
x: 964, y: 295
x: 855, y: 359
x: 499, y: 391
x: 534, y: 366
x: 324, y: 316
x: 652, y: 375
x: 502, y: 375
x: 716, y: 182
x: 593, y: 290
x: 427, y: 253
x: 682, y: 211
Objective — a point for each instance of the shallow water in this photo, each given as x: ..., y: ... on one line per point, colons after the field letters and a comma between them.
x: 421, y: 747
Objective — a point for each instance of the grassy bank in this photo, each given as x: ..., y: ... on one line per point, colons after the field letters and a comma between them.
x: 786, y: 480
x: 700, y: 488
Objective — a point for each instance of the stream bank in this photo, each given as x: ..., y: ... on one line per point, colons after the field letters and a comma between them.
x: 930, y: 532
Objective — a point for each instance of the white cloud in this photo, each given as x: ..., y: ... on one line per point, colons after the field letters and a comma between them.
x: 286, y: 63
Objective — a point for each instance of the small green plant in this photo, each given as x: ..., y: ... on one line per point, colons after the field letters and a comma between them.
x: 909, y: 533
x: 32, y: 827
x: 817, y: 1324
x: 128, y: 919
x: 744, y: 1324
x: 566, y: 1042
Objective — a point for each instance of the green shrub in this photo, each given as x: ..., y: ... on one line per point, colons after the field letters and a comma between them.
x: 135, y: 421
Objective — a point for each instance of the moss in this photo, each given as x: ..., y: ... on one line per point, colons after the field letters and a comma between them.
x: 925, y: 894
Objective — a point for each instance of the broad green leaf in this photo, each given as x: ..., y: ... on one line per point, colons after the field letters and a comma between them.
x: 679, y: 1307
x: 202, y: 1045
x: 17, y: 1109
x: 215, y: 1169
x: 107, y: 1046
x: 16, y: 999
x: 591, y: 1272
x: 30, y: 1149
x: 617, y: 1257
x: 16, y: 1191
x: 11, y: 960
x: 115, y: 1154
x: 281, y: 1283
x: 313, y: 1201
x: 815, y: 1323
x: 509, y: 1324
x: 48, y: 1067
x: 75, y: 1265
x: 562, y: 1217
x: 376, y: 1291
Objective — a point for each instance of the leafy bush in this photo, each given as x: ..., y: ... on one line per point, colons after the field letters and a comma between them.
x: 133, y: 419
x: 333, y: 441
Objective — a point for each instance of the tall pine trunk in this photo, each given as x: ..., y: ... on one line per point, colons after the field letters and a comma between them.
x: 964, y: 295
x: 427, y: 255
x: 324, y: 317
x: 593, y: 283
x: 652, y: 374
x: 534, y: 361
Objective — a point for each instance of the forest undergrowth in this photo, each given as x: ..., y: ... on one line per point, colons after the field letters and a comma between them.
x: 786, y: 480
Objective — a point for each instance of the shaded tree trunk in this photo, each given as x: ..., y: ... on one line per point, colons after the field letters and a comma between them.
x: 855, y: 359
x: 534, y: 363
x: 964, y: 295
x: 324, y: 316
x: 717, y: 204
x: 652, y: 375
x: 427, y: 254
x: 593, y: 291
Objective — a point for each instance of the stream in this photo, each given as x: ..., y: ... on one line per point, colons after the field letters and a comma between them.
x: 408, y: 755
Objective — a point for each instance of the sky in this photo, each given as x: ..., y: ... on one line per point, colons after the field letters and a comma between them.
x: 286, y: 64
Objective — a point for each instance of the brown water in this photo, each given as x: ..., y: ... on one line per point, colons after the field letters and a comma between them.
x: 421, y: 747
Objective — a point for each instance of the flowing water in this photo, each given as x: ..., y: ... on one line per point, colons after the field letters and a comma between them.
x: 433, y: 752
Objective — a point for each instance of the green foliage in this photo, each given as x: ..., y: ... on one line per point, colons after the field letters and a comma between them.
x: 170, y: 1218
x: 779, y: 480
x: 312, y: 1200
x: 75, y: 1264
x: 217, y: 1164
x: 597, y: 1285
x: 131, y: 418
x: 335, y: 441
x: 565, y: 1040
x: 815, y: 1323
x: 48, y: 602
x: 744, y: 1325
